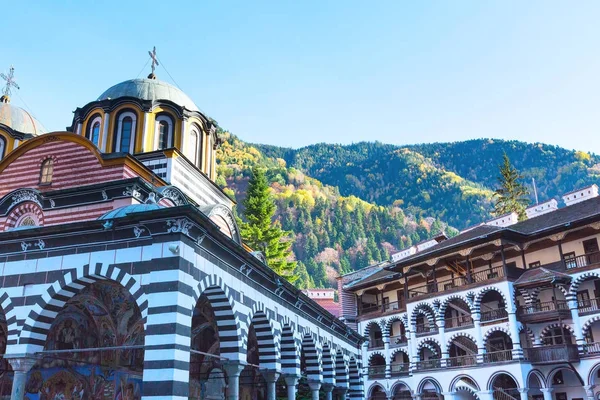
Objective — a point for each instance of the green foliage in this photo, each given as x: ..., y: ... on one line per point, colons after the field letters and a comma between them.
x: 260, y: 232
x: 511, y: 196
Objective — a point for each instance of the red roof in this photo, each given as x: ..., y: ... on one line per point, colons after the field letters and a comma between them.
x: 329, y: 305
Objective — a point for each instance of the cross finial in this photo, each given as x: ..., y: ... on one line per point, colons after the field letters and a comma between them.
x: 10, y: 81
x: 154, y: 59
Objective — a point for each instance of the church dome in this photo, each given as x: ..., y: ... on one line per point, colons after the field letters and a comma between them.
x: 149, y: 89
x: 18, y: 119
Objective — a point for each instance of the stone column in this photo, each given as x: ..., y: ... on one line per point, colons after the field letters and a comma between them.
x: 314, y: 389
x: 342, y: 392
x: 589, y: 391
x: 523, y: 393
x: 416, y: 396
x: 449, y: 395
x: 386, y: 354
x: 412, y: 346
x: 328, y: 389
x: 547, y: 392
x: 574, y: 308
x: 517, y: 352
x: 271, y: 379
x: 21, y: 366
x: 486, y: 395
x: 441, y: 323
x: 291, y: 381
x: 478, y: 336
x: 233, y: 370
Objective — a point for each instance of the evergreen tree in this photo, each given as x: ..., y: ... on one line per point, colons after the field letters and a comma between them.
x: 512, y: 196
x: 261, y: 232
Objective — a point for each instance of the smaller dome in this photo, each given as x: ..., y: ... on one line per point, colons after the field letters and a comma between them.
x: 19, y: 120
x: 149, y: 89
x: 130, y: 209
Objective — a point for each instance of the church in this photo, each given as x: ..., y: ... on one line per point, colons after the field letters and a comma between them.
x: 123, y: 272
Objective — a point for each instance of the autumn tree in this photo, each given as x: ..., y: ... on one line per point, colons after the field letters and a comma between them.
x: 512, y: 195
x: 262, y: 232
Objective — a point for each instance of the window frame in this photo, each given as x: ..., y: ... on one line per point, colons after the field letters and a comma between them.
x: 197, y: 149
x: 44, y: 174
x: 3, y: 144
x: 90, y: 129
x: 170, y: 131
x: 119, y: 131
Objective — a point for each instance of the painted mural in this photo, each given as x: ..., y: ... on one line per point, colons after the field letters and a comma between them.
x: 102, y: 315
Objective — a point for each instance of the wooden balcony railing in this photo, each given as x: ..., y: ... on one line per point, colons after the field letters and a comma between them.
x: 497, y: 356
x: 375, y: 344
x: 425, y: 329
x: 493, y: 315
x: 583, y: 260
x: 591, y: 348
x: 588, y: 306
x: 394, y: 305
x: 376, y: 371
x: 506, y: 394
x: 365, y: 308
x: 544, y: 306
x: 399, y: 369
x: 457, y: 322
x: 399, y: 340
x: 552, y: 354
x: 462, y: 361
x: 429, y: 364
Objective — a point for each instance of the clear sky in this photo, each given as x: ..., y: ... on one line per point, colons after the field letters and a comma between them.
x: 293, y: 73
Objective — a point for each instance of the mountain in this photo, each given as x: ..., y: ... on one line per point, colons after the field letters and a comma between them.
x: 349, y: 206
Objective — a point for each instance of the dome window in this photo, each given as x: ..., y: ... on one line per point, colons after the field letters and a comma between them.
x: 2, y: 147
x: 46, y: 172
x: 164, y: 132
x: 195, y: 147
x: 93, y: 133
x: 125, y: 137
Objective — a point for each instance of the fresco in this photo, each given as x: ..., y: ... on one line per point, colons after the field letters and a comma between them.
x: 103, y: 314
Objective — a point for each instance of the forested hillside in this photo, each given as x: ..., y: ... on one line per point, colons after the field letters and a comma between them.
x: 349, y: 206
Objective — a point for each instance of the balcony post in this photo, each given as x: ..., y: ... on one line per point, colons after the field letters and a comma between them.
x: 517, y: 352
x: 412, y: 347
x: 469, y: 272
x: 386, y: 353
x: 523, y: 393
x: 574, y: 308
x: 589, y: 391
x: 503, y: 261
x: 478, y: 337
x: 547, y: 392
x: 562, y: 256
x: 364, y: 348
x: 441, y: 323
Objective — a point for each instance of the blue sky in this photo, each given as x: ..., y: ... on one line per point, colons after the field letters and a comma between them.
x: 293, y: 73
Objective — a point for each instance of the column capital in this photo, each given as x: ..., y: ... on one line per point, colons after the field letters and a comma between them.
x: 290, y: 379
x: 523, y: 390
x: 589, y: 387
x: 314, y: 385
x: 270, y: 375
x: 546, y: 390
x: 22, y: 364
x: 328, y: 387
x: 233, y: 368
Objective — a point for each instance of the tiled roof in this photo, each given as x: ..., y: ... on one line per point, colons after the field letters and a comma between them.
x: 330, y: 305
x: 541, y: 275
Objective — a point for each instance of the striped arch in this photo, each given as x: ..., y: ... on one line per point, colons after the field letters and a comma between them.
x: 398, y: 385
x: 496, y: 329
x: 224, y: 307
x: 429, y: 344
x: 290, y: 350
x: 390, y: 322
x: 482, y: 292
x: 312, y: 358
x: 490, y: 383
x: 425, y: 309
x: 566, y: 368
x: 396, y: 351
x: 462, y: 382
x: 449, y: 299
x: 341, y: 370
x: 588, y: 325
x: 457, y: 335
x: 12, y: 327
x: 356, y: 385
x: 545, y: 330
x: 529, y: 333
x: 431, y: 380
x: 373, y: 354
x: 371, y: 325
x: 328, y: 364
x: 529, y: 295
x: 540, y: 377
x: 21, y: 210
x: 268, y: 341
x: 38, y: 322
x: 579, y: 280
x: 374, y: 386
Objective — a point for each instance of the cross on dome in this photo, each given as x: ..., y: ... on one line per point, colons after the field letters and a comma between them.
x: 154, y: 61
x: 10, y: 83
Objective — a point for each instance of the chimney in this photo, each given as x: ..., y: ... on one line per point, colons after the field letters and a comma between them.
x: 542, y: 208
x: 504, y: 220
x: 577, y: 196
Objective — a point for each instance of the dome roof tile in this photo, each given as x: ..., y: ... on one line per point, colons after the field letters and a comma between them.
x: 19, y: 120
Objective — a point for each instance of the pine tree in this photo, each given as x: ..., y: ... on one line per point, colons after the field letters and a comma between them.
x: 261, y: 232
x: 512, y: 196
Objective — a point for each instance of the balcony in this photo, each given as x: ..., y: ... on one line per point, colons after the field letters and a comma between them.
x: 399, y: 369
x: 582, y: 261
x: 424, y: 329
x: 463, y: 282
x: 379, y: 309
x: 497, y: 356
x: 544, y: 311
x: 458, y: 322
x: 377, y: 371
x: 589, y: 306
x: 495, y: 314
x: 375, y: 344
x: 429, y: 364
x: 400, y: 340
x: 462, y: 361
x: 591, y: 349
x: 552, y: 354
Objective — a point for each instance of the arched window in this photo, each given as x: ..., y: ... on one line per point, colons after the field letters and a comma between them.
x: 93, y: 131
x: 2, y: 147
x: 164, y: 132
x: 195, y: 147
x: 125, y: 135
x: 46, y: 172
x: 27, y: 221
